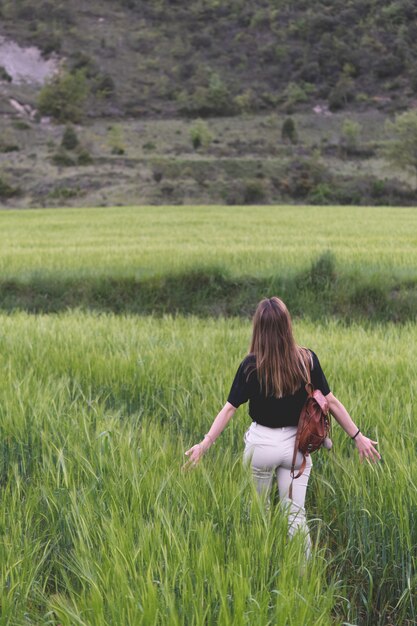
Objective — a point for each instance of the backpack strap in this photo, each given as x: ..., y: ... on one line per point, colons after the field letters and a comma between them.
x: 309, y: 385
x: 309, y: 389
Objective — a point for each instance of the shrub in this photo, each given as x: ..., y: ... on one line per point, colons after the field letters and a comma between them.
x: 294, y: 94
x: 246, y: 102
x: 390, y: 192
x: 63, y: 193
x: 349, y: 137
x: 82, y: 61
x: 4, y: 75
x: 378, y: 189
x: 81, y: 156
x: 349, y: 192
x: 342, y: 93
x: 157, y: 175
x: 388, y: 65
x: 64, y: 96
x: 200, y: 135
x: 49, y: 12
x: 49, y: 42
x: 69, y: 138
x: 288, y: 131
x: 21, y: 125
x: 320, y: 24
x: 115, y: 140
x: 232, y: 193
x: 104, y: 86
x: 201, y: 40
x: 212, y: 100
x: 321, y: 194
x: 7, y: 190
x: 310, y: 72
x: 61, y: 158
x: 9, y: 147
x: 118, y: 150
x: 362, y: 97
x: 84, y: 157
x: 302, y: 176
x: 186, y: 70
x: 26, y: 12
x: 254, y: 192
x: 268, y: 53
x: 402, y: 151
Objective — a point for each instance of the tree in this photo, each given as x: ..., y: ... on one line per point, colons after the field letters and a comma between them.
x: 215, y: 99
x: 288, y: 131
x: 64, y: 96
x: 69, y: 139
x: 402, y: 151
x: 342, y: 93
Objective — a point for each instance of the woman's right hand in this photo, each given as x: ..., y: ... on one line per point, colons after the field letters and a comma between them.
x: 195, y: 453
x: 366, y: 448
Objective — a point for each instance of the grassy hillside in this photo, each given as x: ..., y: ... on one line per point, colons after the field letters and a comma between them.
x: 135, y: 76
x: 247, y: 162
x: 169, y: 57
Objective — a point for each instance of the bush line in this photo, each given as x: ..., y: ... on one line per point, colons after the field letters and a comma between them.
x: 318, y: 292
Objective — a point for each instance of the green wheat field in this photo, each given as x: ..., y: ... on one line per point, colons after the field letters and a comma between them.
x: 100, y: 526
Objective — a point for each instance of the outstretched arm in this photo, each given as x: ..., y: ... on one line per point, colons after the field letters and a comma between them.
x: 217, y: 427
x: 365, y: 446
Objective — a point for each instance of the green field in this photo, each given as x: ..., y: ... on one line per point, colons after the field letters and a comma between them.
x: 248, y: 241
x: 99, y: 526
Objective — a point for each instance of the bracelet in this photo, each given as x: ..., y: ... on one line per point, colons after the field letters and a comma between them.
x: 211, y: 438
x: 354, y: 436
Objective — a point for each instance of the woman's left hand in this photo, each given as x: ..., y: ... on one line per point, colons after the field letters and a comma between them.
x: 366, y: 448
x: 195, y: 453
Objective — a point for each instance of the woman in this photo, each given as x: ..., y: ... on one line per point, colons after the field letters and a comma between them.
x: 273, y: 377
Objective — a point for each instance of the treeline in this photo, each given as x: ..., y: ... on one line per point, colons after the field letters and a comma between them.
x: 205, y: 58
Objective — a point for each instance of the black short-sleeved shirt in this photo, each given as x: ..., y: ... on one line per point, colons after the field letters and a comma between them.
x: 268, y: 410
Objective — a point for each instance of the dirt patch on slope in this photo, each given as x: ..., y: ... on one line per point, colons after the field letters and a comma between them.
x: 26, y: 65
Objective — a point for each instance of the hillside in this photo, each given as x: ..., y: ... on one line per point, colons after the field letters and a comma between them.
x: 137, y: 75
x: 169, y: 58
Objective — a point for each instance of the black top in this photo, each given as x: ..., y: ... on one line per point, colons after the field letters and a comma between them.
x: 271, y: 411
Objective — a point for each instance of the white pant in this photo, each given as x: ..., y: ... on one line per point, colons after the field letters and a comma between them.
x: 270, y: 451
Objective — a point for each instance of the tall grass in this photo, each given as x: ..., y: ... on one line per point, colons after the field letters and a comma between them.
x: 100, y: 526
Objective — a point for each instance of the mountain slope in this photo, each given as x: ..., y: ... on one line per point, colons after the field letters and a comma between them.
x: 171, y: 57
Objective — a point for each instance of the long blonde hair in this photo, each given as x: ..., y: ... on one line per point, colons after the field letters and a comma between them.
x: 281, y: 364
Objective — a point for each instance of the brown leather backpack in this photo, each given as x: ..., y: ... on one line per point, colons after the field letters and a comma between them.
x: 313, y: 427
